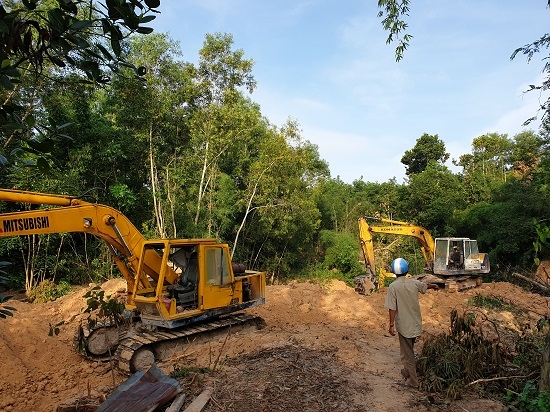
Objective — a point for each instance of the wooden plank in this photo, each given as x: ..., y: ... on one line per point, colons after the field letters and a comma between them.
x: 200, y: 401
x: 176, y: 404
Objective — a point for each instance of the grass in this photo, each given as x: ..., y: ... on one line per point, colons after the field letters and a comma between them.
x: 492, y: 302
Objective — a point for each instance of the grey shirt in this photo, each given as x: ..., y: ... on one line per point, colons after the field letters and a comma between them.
x: 403, y: 298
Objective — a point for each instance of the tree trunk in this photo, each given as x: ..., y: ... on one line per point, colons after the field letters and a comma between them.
x: 154, y: 187
x: 202, y: 185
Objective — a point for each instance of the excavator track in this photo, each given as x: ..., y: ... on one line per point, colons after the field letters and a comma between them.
x: 462, y: 283
x: 452, y: 283
x: 139, y: 350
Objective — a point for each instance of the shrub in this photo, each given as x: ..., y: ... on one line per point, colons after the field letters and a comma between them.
x: 341, y: 253
x: 48, y: 291
x: 529, y: 400
x: 480, y: 352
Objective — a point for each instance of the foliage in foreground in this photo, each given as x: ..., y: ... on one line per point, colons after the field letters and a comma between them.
x: 105, y: 309
x: 478, y: 353
x: 102, y: 310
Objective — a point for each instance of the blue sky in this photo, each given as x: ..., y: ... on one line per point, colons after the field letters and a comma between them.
x: 325, y: 63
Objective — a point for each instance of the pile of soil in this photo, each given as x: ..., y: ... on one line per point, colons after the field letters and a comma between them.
x: 323, y: 348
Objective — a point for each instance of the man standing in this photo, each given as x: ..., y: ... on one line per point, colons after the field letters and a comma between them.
x: 405, y: 317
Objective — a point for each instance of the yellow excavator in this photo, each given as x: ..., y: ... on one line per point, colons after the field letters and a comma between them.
x: 176, y: 288
x: 452, y: 262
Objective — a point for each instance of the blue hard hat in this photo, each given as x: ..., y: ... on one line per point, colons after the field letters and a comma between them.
x: 400, y: 266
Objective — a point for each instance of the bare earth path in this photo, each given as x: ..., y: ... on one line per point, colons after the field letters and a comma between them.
x: 323, y: 348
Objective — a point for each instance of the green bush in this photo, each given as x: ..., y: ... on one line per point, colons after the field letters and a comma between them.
x: 341, y: 253
x: 529, y: 400
x: 48, y: 291
x: 321, y: 275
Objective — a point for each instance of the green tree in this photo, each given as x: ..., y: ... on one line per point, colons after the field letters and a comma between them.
x: 77, y: 36
x: 341, y: 254
x: 222, y: 70
x: 504, y: 225
x: 156, y: 118
x: 487, y: 166
x: 334, y: 200
x: 526, y: 154
x: 280, y: 210
x: 491, y: 154
x: 427, y: 148
x: 432, y: 198
x: 220, y: 124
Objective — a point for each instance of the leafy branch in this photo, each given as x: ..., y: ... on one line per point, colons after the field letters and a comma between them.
x: 393, y: 13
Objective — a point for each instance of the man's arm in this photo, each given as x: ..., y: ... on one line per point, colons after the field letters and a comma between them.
x: 392, y: 322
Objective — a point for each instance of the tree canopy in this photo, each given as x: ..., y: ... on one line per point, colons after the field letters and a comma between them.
x: 40, y: 39
x: 428, y: 148
x: 184, y: 151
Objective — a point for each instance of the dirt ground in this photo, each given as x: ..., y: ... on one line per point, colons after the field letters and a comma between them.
x: 324, y: 348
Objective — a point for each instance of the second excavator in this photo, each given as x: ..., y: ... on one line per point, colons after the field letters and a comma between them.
x: 452, y: 262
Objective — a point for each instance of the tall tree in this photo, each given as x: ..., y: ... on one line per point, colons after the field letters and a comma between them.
x: 504, y: 225
x: 282, y: 216
x: 486, y: 167
x: 221, y: 73
x: 333, y: 198
x: 154, y: 116
x: 433, y: 196
x: 526, y: 153
x: 427, y: 148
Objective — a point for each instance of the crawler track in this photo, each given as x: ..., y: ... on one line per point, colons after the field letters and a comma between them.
x: 139, y: 350
x: 452, y: 283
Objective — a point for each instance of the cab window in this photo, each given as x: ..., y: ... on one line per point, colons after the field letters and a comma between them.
x: 217, y: 267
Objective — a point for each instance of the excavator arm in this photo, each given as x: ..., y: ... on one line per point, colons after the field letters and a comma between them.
x: 396, y: 227
x: 70, y: 214
x: 366, y: 239
x: 393, y: 227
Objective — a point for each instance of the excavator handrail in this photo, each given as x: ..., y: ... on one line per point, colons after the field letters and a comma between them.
x: 11, y: 195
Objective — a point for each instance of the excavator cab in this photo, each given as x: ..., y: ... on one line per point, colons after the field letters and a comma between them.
x: 192, y: 279
x: 459, y: 256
